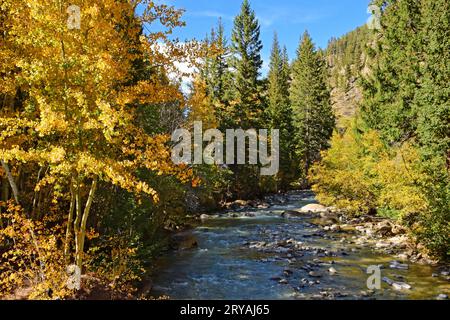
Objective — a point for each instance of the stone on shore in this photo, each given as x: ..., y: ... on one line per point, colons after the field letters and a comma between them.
x: 399, y: 286
x: 314, y: 208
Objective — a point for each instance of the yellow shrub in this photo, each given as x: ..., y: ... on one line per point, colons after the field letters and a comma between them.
x: 346, y: 177
x: 399, y: 175
x: 30, y: 257
x: 360, y: 173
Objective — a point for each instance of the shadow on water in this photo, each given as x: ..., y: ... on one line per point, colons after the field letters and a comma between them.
x: 224, y: 266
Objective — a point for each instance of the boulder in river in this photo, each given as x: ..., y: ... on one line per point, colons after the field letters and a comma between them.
x: 332, y: 271
x: 442, y: 296
x: 314, y: 208
x: 290, y: 214
x: 398, y: 265
x: 314, y: 274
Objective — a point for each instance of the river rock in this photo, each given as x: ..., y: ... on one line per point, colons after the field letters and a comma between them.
x: 238, y: 204
x: 384, y: 228
x: 398, y: 230
x: 398, y: 265
x: 382, y: 244
x: 442, y: 296
x: 402, y: 256
x: 290, y: 214
x: 257, y: 245
x: 399, y: 286
x: 287, y: 272
x: 328, y: 215
x: 314, y: 208
x: 204, y: 217
x: 314, y: 274
x: 332, y: 271
x: 335, y: 227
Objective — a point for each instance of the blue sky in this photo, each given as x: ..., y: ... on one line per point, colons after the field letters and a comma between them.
x: 289, y: 18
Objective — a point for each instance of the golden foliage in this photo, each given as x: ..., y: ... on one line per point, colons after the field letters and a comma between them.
x: 201, y: 105
x: 360, y: 173
x: 77, y: 116
x: 30, y: 256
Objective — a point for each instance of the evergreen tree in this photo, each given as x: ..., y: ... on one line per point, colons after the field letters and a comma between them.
x: 246, y: 63
x: 313, y: 117
x: 279, y: 111
x: 278, y: 82
x: 434, y: 93
x: 433, y: 124
x: 218, y: 65
x: 245, y: 109
x: 216, y: 74
x: 389, y: 91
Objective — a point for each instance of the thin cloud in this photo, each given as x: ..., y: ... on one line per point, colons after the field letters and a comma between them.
x: 266, y: 22
x: 209, y: 14
x: 270, y: 15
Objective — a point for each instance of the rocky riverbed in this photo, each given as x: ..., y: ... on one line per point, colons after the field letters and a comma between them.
x: 289, y: 247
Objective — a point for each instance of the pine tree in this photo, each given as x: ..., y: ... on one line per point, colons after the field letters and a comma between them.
x: 278, y: 82
x: 433, y: 124
x: 246, y: 62
x: 313, y: 117
x: 244, y: 107
x: 217, y: 65
x: 279, y: 111
x: 389, y: 91
x: 217, y: 76
x: 434, y: 93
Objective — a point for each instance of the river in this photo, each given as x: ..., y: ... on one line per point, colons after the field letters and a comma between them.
x: 234, y: 260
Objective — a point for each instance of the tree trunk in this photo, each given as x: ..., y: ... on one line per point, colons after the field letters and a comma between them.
x: 76, y: 224
x: 36, y: 195
x: 11, y: 181
x: 4, y: 196
x: 81, y: 233
x: 69, y: 224
x: 5, y: 190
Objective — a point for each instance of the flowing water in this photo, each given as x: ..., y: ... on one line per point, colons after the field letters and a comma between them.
x: 228, y: 264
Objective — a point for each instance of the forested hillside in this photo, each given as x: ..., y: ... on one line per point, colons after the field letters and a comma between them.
x: 347, y: 60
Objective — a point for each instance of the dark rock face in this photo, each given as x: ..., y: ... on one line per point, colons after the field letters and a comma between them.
x: 183, y: 241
